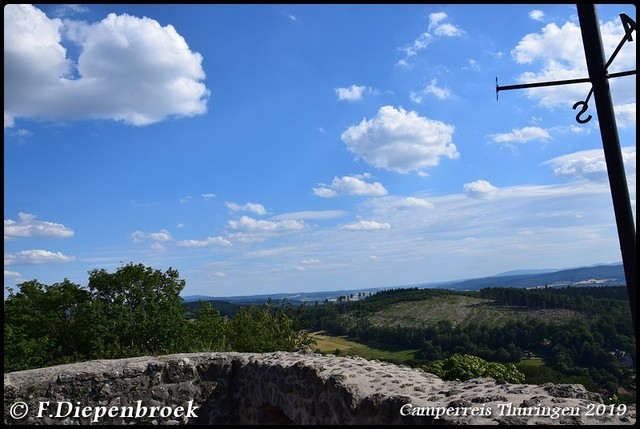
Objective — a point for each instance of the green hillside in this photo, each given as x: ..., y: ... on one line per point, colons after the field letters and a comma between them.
x: 461, y: 310
x: 577, y: 334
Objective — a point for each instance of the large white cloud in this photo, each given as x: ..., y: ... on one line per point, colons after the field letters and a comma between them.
x: 129, y: 69
x: 28, y: 226
x: 400, y: 141
x: 559, y: 51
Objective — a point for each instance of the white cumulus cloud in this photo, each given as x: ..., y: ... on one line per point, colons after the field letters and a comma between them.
x: 351, y: 185
x: 480, y: 189
x: 28, y: 226
x: 37, y: 256
x: 352, y: 93
x: 129, y: 69
x: 400, y: 141
x: 412, y: 202
x: 557, y: 53
x: 536, y: 15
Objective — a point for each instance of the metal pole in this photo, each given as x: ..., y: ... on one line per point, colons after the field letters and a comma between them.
x: 596, y: 61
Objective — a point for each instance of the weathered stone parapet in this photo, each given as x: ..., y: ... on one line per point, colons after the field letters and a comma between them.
x: 285, y: 388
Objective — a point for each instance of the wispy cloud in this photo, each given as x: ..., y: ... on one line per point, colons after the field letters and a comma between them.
x: 625, y: 115
x: 311, y: 214
x: 366, y: 225
x: 441, y: 93
x: 248, y: 224
x: 209, y: 241
x: 162, y: 235
x: 37, y: 256
x: 249, y: 207
x: 66, y: 10
x: 13, y: 276
x: 441, y: 28
x: 521, y: 135
x: 591, y: 165
x: 250, y: 230
x: 437, y: 28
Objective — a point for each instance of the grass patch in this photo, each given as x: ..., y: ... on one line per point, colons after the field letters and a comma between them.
x: 536, y: 372
x: 329, y: 344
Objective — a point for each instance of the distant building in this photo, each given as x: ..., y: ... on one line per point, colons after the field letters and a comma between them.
x: 624, y: 359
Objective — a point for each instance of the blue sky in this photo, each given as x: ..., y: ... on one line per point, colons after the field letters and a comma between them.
x: 290, y: 148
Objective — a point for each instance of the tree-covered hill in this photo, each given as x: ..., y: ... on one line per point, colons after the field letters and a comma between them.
x: 576, y: 330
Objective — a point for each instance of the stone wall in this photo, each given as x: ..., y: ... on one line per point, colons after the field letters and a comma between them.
x: 284, y: 388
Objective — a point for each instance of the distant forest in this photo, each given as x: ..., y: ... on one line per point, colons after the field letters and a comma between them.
x: 593, y: 347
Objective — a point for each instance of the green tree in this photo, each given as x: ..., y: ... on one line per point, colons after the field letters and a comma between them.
x: 41, y: 324
x: 265, y: 328
x: 138, y: 310
x: 208, y: 330
x: 464, y: 367
x: 134, y: 311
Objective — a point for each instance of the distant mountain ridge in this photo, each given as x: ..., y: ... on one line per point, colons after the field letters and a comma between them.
x: 599, y: 275
x: 596, y: 275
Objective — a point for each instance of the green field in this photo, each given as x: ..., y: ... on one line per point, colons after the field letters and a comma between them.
x: 328, y: 344
x: 536, y: 372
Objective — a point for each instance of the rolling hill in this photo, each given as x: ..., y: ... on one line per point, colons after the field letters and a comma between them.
x: 597, y: 275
